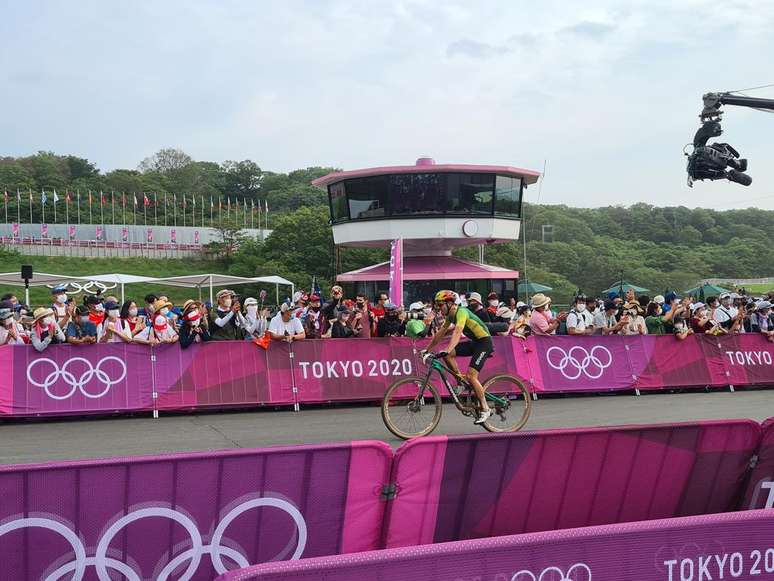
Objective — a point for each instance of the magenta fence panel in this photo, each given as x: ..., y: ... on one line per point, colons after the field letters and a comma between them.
x: 351, y: 369
x: 760, y: 485
x: 700, y: 548
x: 455, y: 488
x: 189, y: 516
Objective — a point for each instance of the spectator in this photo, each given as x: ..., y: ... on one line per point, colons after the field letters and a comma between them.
x: 225, y: 321
x: 114, y: 329
x: 635, y: 323
x: 540, y: 322
x: 342, y: 328
x: 11, y: 332
x: 132, y: 320
x: 364, y: 315
x: 591, y: 307
x: 725, y: 312
x: 192, y: 331
x: 655, y: 319
x: 378, y: 311
x: 285, y: 327
x: 148, y: 311
x: 762, y: 320
x: 512, y: 304
x: 12, y: 298
x: 300, y: 300
x: 477, y: 308
x: 390, y: 325
x: 520, y: 327
x: 314, y: 323
x: 63, y: 310
x: 577, y: 323
x: 629, y: 296
x: 493, y: 302
x: 81, y: 330
x: 161, y: 331
x: 605, y: 321
x: 336, y: 301
x: 255, y: 322
x: 168, y: 309
x: 669, y: 301
x: 681, y: 314
x: 659, y: 300
x: 45, y: 331
x: 96, y: 311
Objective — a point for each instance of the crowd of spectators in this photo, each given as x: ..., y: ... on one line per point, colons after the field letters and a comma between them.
x: 308, y: 316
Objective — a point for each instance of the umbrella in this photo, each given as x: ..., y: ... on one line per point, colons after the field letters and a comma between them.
x: 705, y: 290
x: 623, y: 286
x: 531, y: 288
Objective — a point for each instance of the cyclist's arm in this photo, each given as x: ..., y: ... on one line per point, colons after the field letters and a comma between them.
x: 438, y: 336
x: 456, y: 335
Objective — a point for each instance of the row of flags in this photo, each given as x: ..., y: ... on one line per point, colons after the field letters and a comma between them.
x: 146, y: 202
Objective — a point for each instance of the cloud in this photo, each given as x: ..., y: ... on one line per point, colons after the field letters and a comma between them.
x: 475, y: 49
x: 589, y: 29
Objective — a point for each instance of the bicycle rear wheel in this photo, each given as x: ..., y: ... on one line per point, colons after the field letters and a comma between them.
x: 510, y: 402
x: 406, y: 414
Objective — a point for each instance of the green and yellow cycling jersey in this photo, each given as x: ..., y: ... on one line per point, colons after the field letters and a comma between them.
x: 473, y: 327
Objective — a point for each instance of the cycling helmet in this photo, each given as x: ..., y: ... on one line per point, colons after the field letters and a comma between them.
x: 444, y: 296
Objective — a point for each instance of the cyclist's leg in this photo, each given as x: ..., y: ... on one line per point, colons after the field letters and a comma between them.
x: 451, y: 361
x: 481, y: 350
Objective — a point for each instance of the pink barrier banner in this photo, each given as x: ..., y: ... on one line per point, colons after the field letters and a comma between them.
x: 760, y: 484
x: 455, y: 488
x: 189, y: 516
x: 351, y: 369
x: 703, y: 548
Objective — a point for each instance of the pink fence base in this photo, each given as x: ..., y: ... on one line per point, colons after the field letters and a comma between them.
x: 115, y: 377
x: 724, y: 546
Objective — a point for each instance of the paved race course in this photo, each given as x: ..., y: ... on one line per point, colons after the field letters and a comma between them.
x: 75, y: 438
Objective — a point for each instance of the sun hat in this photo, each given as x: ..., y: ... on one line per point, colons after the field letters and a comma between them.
x: 159, y: 304
x: 658, y: 299
x: 540, y: 300
x: 474, y: 296
x: 42, y: 312
x: 223, y: 293
x: 761, y: 305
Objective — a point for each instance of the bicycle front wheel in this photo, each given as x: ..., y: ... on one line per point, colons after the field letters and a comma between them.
x: 510, y: 402
x: 410, y: 412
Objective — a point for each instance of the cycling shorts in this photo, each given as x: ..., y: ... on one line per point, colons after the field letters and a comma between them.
x: 478, y: 351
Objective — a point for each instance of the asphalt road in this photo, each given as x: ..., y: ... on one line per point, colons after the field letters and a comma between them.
x: 75, y: 438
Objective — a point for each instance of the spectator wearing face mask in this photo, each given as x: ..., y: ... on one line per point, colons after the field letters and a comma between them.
x: 493, y: 302
x: 315, y: 325
x: 520, y: 327
x: 130, y: 316
x: 81, y: 331
x: 192, y: 331
x: 606, y: 319
x: 342, y: 326
x: 301, y: 301
x: 64, y: 312
x: 636, y: 322
x: 255, y: 323
x: 762, y: 321
x: 681, y: 318
x: 160, y: 331
x: 114, y: 330
x: 226, y: 323
x: 148, y: 310
x: 96, y: 311
x: 285, y: 327
x: 655, y: 319
x: 378, y: 311
x: 364, y: 316
x: 11, y: 332
x: 576, y: 319
x: 390, y: 325
x: 477, y: 308
x: 336, y: 301
x: 45, y: 331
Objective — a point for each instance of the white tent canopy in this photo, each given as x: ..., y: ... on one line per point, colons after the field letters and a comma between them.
x: 38, y: 279
x: 212, y: 280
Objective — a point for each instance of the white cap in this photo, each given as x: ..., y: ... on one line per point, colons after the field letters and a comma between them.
x: 520, y: 304
x: 250, y: 302
x: 417, y: 306
x: 659, y: 299
x: 696, y: 306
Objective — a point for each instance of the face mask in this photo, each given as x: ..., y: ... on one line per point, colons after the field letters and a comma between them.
x: 493, y: 303
x: 114, y: 313
x: 252, y: 310
x: 48, y: 321
x: 61, y: 299
x: 227, y: 303
x: 84, y: 320
x: 133, y: 312
x: 164, y: 311
x: 99, y: 308
x: 581, y: 307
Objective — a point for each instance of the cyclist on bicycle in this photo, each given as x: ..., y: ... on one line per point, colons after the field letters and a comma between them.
x: 478, y: 348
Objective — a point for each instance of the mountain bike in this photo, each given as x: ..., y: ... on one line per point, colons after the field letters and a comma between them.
x: 412, y: 406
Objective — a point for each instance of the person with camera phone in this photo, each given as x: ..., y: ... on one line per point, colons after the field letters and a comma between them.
x: 226, y: 322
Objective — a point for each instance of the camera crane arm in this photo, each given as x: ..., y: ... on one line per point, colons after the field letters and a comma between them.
x: 720, y: 160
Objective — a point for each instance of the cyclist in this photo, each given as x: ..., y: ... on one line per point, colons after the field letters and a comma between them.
x: 478, y: 348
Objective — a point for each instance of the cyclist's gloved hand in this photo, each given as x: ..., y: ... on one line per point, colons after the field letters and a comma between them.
x: 441, y: 354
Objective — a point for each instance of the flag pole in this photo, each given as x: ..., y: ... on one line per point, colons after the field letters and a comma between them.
x: 30, y: 205
x: 113, y: 207
x: 201, y: 198
x: 54, y: 200
x: 155, y: 209
x: 18, y: 206
x: 78, y: 195
x: 5, y: 196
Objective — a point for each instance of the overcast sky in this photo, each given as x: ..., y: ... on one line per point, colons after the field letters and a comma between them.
x: 607, y: 93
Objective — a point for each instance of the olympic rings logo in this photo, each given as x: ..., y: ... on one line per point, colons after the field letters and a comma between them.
x: 76, y: 382
x: 193, y: 555
x: 92, y: 287
x: 574, y: 573
x: 578, y: 361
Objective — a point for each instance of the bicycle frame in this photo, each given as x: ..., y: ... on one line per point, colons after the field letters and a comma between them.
x: 442, y: 367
